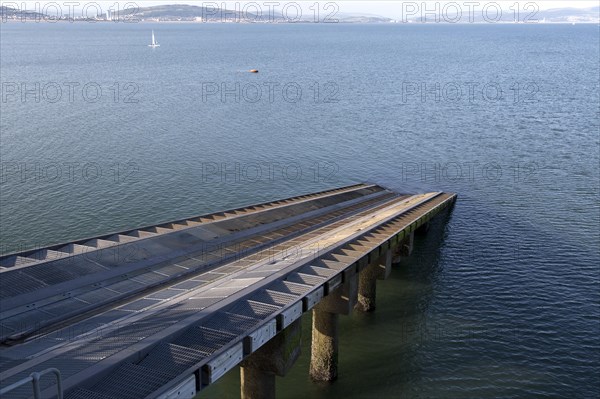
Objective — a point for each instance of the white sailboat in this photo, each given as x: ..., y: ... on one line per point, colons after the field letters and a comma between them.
x: 154, y: 43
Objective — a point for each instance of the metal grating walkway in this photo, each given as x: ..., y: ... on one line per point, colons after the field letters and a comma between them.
x: 208, y: 291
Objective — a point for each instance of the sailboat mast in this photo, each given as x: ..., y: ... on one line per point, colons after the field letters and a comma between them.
x: 153, y: 43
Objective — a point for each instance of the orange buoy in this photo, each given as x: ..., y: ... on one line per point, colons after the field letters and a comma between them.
x: 254, y: 71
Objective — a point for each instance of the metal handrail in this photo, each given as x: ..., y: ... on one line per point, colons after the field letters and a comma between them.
x: 34, y: 378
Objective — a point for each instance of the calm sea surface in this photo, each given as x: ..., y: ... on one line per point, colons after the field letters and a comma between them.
x: 101, y: 133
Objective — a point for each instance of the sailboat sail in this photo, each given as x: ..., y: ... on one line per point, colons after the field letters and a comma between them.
x: 154, y: 44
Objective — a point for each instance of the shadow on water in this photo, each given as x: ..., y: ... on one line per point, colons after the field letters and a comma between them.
x: 390, y: 336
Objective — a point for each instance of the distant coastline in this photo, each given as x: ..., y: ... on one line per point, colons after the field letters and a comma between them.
x: 197, y: 14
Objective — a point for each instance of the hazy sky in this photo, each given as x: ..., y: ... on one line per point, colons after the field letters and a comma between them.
x: 385, y: 8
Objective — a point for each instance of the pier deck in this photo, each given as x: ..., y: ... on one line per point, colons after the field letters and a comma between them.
x: 165, y: 310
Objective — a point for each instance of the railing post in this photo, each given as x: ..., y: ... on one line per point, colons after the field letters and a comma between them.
x: 36, y: 385
x: 34, y: 378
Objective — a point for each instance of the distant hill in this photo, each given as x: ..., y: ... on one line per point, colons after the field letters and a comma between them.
x: 191, y: 13
x: 184, y: 12
x: 591, y: 14
x: 181, y: 12
x: 12, y: 13
x: 361, y: 18
x: 557, y: 15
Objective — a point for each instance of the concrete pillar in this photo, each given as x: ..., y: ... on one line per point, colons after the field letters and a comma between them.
x: 385, y: 265
x: 408, y: 244
x: 404, y: 249
x: 275, y: 358
x: 397, y: 258
x: 257, y: 384
x: 367, y: 289
x: 380, y: 269
x: 324, y: 349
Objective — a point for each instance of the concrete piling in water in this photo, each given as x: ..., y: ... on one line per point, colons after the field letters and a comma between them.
x: 324, y: 349
x: 275, y: 358
x: 408, y: 245
x: 325, y: 337
x: 256, y: 383
x: 404, y: 249
x: 379, y: 269
x: 367, y: 289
